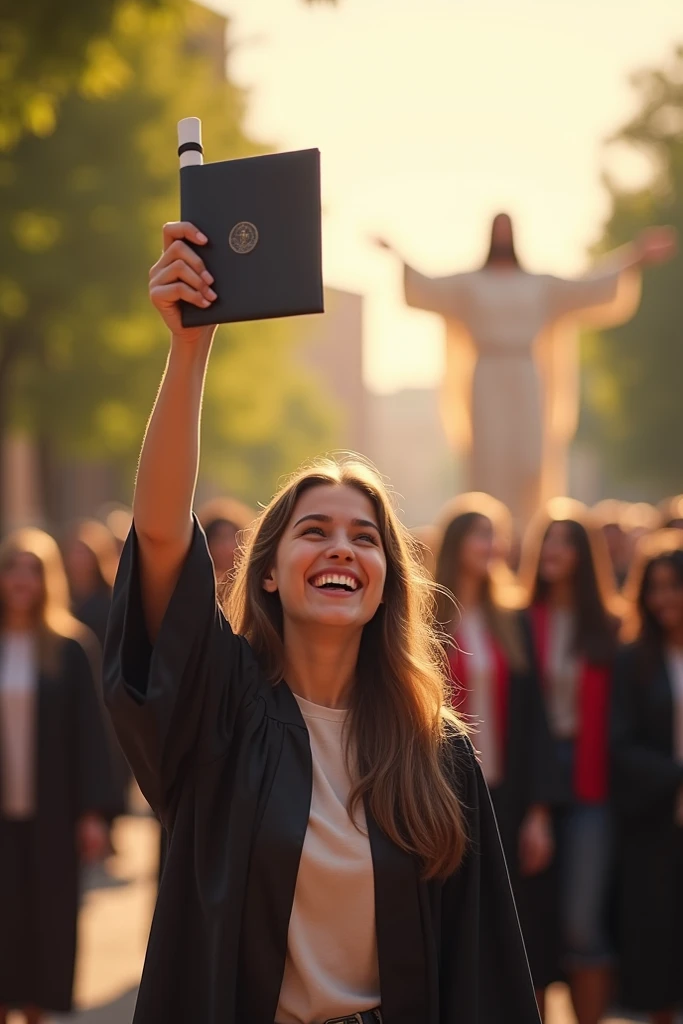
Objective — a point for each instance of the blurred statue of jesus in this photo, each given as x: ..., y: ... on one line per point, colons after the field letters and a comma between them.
x: 510, y: 395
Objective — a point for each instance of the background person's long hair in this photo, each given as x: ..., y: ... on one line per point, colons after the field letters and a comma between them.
x: 506, y: 587
x: 217, y: 513
x: 101, y: 543
x: 399, y: 719
x: 664, y: 547
x: 225, y: 510
x: 594, y: 600
x: 53, y: 620
x: 501, y: 622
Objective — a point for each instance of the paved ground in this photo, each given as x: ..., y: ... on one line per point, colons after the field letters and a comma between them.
x: 114, y: 925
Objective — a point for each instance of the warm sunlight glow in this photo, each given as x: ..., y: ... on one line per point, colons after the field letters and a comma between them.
x: 433, y: 114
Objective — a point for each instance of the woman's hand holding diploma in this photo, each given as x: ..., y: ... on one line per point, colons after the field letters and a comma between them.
x: 180, y: 274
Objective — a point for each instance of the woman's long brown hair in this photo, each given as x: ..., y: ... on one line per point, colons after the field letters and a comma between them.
x: 53, y: 620
x: 594, y: 599
x: 399, y: 721
x: 501, y: 622
x: 664, y: 545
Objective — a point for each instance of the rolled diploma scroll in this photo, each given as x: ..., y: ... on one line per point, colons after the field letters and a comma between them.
x: 190, y: 150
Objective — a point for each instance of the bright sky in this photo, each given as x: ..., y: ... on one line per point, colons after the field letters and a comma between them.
x: 431, y: 115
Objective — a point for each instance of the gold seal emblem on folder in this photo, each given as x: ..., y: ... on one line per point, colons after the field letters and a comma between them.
x: 243, y: 237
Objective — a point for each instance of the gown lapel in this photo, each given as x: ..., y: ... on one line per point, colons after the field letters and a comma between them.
x: 274, y: 864
x: 401, y: 906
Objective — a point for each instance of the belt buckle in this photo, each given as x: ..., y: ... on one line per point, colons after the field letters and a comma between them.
x: 356, y: 1018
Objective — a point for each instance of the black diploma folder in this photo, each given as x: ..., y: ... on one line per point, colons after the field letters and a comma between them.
x: 262, y: 218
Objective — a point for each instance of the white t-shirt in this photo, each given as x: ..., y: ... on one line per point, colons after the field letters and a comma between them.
x: 18, y: 707
x: 474, y: 639
x: 563, y: 672
x: 331, y: 967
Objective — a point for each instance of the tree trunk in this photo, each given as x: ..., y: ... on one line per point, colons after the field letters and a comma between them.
x: 50, y: 482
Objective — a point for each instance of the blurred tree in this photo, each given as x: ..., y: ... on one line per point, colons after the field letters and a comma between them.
x: 81, y: 349
x: 633, y: 373
x: 49, y: 48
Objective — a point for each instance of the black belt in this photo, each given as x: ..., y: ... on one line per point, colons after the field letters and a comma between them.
x: 366, y: 1017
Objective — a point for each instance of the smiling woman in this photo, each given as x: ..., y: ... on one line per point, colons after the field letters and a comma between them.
x: 333, y: 855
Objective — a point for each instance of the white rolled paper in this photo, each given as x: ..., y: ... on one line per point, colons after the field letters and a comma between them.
x: 190, y: 150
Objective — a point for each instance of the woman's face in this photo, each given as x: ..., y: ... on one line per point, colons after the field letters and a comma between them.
x: 558, y: 555
x: 81, y: 566
x: 21, y: 585
x: 476, y: 551
x: 330, y: 566
x: 222, y: 546
x: 664, y: 596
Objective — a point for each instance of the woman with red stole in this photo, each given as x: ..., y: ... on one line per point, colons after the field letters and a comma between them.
x: 574, y: 638
x: 495, y: 684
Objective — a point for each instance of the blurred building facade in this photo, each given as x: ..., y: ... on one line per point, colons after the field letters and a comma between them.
x: 409, y: 447
x: 329, y: 348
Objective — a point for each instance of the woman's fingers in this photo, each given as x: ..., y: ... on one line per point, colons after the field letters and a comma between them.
x: 165, y: 295
x: 182, y: 229
x: 179, y: 270
x: 180, y: 250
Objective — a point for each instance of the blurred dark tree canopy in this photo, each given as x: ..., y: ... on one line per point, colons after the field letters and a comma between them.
x: 634, y: 373
x: 47, y: 49
x: 50, y: 47
x: 81, y: 209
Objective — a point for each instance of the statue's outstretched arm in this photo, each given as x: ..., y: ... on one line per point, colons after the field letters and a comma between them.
x: 444, y: 295
x: 610, y: 293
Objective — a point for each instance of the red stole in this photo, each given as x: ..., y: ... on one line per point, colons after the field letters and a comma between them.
x: 459, y: 664
x: 592, y: 755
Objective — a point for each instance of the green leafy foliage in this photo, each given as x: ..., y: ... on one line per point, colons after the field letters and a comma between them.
x: 633, y: 406
x: 48, y: 49
x: 81, y: 349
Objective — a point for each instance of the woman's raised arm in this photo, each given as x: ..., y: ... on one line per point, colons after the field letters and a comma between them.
x: 167, y: 473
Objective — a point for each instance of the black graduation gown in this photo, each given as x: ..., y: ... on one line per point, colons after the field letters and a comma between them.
x: 645, y: 781
x: 530, y: 778
x: 74, y: 777
x: 93, y: 612
x: 224, y: 758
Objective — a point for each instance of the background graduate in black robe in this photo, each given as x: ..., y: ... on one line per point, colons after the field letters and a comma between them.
x: 566, y: 567
x: 647, y: 767
x: 56, y: 783
x: 224, y: 521
x: 258, y: 907
x: 91, y: 558
x: 496, y: 686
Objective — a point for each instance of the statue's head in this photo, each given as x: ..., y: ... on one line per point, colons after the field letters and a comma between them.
x: 502, y: 248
